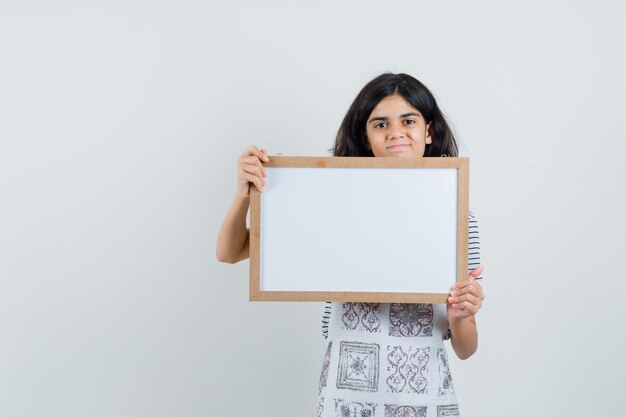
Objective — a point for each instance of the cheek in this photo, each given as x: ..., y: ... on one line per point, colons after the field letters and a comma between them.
x: 374, y: 136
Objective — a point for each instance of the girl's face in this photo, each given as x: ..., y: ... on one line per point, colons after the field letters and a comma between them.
x: 395, y: 128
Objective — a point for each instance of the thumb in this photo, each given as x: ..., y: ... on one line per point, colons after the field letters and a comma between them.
x: 475, y: 273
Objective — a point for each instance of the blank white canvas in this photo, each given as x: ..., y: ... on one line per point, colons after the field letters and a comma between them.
x: 359, y: 230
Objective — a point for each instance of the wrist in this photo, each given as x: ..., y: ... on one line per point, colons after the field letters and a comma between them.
x: 240, y: 205
x: 458, y: 321
x: 454, y: 321
x: 242, y: 197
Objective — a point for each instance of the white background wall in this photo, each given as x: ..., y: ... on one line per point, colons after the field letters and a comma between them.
x: 120, y: 125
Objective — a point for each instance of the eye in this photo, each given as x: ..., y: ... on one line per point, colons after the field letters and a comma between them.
x: 380, y: 125
x: 409, y: 121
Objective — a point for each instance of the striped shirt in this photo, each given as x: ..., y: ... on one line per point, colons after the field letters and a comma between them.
x: 473, y: 261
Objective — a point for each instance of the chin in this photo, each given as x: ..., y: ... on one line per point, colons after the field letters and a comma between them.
x: 406, y: 154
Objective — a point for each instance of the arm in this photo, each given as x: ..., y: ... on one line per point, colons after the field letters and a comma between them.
x: 465, y: 300
x: 233, y: 239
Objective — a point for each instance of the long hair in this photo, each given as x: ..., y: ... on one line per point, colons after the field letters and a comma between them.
x: 351, y: 139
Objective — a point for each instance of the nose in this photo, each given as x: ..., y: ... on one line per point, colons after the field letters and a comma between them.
x: 396, y: 131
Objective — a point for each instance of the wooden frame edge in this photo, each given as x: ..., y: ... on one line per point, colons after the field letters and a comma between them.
x: 463, y: 221
x: 460, y: 163
x: 365, y: 297
x: 255, y: 244
x: 362, y: 162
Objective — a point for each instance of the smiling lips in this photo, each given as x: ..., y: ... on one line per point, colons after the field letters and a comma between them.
x: 397, y: 147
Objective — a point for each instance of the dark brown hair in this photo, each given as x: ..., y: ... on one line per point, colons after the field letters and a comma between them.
x: 351, y: 139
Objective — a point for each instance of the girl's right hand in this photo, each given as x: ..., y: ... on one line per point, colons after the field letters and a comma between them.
x: 250, y: 170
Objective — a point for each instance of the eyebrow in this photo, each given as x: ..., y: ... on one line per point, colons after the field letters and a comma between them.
x: 402, y: 116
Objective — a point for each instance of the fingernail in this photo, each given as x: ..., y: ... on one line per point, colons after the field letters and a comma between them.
x: 453, y: 293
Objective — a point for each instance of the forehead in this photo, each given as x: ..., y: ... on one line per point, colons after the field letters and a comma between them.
x: 393, y: 105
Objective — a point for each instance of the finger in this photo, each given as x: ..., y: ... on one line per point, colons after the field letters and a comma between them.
x: 251, y: 150
x: 470, y: 287
x: 470, y: 280
x: 253, y: 179
x: 254, y: 151
x: 470, y: 298
x: 252, y: 161
x: 253, y: 169
x: 471, y: 277
x: 462, y: 284
x: 467, y: 308
x: 475, y: 273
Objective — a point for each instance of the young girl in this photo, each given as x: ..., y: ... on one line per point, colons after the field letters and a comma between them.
x: 382, y: 360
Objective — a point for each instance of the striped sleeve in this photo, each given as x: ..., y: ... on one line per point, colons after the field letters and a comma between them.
x: 473, y: 253
x: 326, y: 319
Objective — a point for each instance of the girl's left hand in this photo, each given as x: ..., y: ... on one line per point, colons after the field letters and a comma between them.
x: 466, y: 297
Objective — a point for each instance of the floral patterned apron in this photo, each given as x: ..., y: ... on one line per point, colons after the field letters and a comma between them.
x: 386, y: 360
